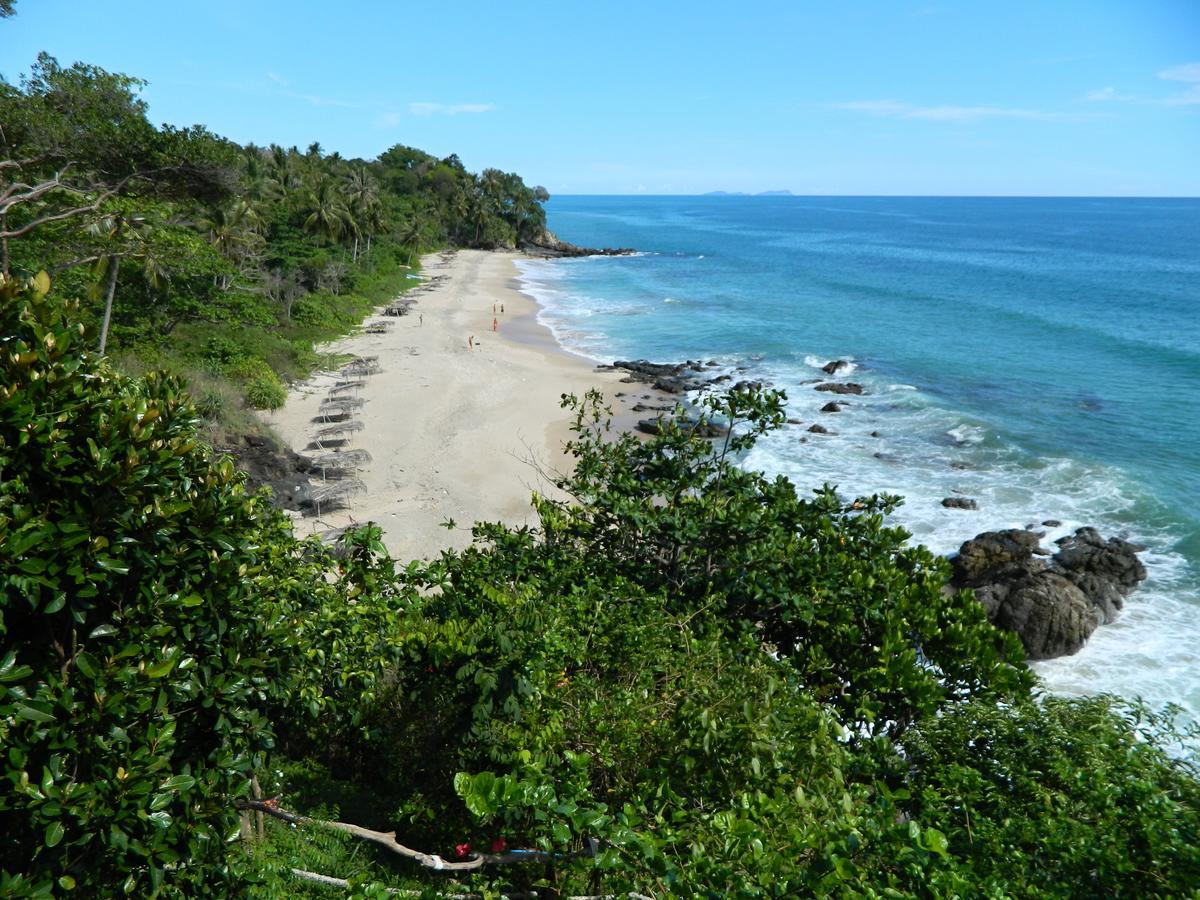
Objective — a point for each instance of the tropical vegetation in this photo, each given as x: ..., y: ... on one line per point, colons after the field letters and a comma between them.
x: 687, y: 679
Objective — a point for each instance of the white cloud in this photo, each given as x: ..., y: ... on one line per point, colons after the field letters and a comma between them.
x: 1103, y: 95
x: 387, y: 120
x: 448, y: 109
x: 896, y: 110
x: 314, y: 100
x: 1190, y: 75
x: 278, y: 79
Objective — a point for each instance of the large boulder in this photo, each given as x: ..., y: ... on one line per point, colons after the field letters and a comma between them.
x: 1053, y: 605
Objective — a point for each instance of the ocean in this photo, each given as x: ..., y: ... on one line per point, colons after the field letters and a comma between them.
x: 1040, y: 356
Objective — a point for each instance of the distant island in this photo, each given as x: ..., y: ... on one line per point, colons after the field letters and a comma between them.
x: 745, y: 194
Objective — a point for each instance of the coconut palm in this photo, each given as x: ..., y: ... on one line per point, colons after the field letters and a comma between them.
x: 327, y: 214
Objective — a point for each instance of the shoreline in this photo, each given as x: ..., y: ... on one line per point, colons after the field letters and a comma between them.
x: 454, y: 432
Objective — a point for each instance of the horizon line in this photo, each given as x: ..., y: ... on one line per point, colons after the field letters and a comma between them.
x: 766, y: 195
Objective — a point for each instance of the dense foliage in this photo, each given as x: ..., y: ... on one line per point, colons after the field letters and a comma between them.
x: 146, y: 609
x: 686, y: 681
x: 178, y: 233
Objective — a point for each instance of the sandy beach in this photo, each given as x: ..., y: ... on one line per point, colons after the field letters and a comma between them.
x: 454, y: 432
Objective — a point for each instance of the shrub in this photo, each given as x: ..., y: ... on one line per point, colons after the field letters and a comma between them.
x: 133, y: 667
x: 265, y: 391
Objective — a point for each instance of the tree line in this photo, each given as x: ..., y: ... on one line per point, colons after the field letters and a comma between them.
x: 179, y: 232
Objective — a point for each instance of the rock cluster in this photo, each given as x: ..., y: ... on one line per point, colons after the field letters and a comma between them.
x: 549, y: 246
x: 1052, y: 604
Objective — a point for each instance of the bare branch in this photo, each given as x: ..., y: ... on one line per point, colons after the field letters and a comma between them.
x: 387, y: 840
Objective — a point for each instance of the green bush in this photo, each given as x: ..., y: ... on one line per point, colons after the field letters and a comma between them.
x: 133, y: 663
x: 1064, y: 797
x: 266, y: 392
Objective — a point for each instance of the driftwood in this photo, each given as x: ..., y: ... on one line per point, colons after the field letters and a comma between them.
x: 387, y: 840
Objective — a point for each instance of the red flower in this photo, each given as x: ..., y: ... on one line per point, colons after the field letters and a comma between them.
x: 499, y: 845
x: 462, y: 850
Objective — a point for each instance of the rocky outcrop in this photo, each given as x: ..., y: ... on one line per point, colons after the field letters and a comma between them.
x: 839, y: 387
x: 674, y: 378
x: 959, y: 503
x: 700, y: 429
x: 834, y: 366
x: 1052, y: 604
x: 549, y: 246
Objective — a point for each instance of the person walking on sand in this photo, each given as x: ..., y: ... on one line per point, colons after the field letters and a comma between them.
x: 494, y: 324
x: 471, y: 342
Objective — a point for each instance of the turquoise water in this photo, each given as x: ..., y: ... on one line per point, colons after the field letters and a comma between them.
x: 1041, y: 356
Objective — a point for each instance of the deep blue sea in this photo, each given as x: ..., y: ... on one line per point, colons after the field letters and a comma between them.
x: 1041, y: 356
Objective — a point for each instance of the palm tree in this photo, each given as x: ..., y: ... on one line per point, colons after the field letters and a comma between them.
x: 363, y: 195
x: 235, y: 231
x: 327, y: 216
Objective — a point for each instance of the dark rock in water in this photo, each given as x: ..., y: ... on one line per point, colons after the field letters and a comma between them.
x: 960, y: 503
x: 1054, y: 605
x: 832, y: 368
x: 1052, y: 523
x: 819, y: 429
x: 876, y: 434
x: 838, y: 387
x: 619, y: 394
x: 1087, y: 553
x: 670, y: 378
x: 794, y: 422
x: 721, y: 379
x: 1051, y: 615
x: 832, y: 406
x: 961, y: 465
x: 700, y: 429
x: 548, y: 246
x: 712, y: 364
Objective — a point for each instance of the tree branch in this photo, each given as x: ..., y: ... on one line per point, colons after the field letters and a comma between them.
x: 387, y: 840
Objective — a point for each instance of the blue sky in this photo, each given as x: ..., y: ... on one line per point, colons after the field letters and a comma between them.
x: 1091, y: 97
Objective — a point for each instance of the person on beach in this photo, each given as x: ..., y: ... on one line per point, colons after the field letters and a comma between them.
x: 494, y: 324
x: 501, y: 309
x: 471, y: 342
x: 420, y: 319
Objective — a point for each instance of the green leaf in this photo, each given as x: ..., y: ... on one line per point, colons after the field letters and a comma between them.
x: 103, y: 631
x: 34, y: 715
x: 54, y: 834
x: 936, y: 841
x: 159, y: 669
x: 178, y: 783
